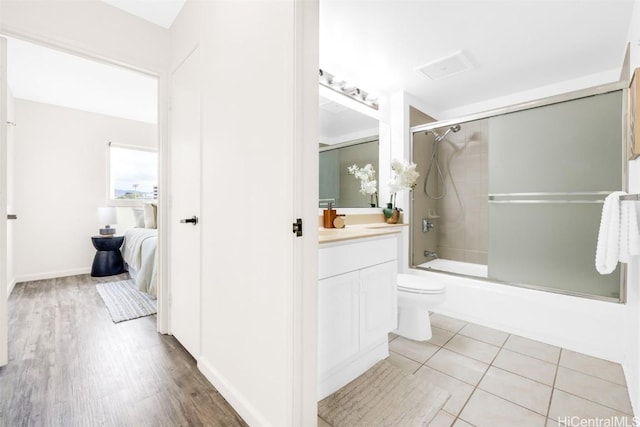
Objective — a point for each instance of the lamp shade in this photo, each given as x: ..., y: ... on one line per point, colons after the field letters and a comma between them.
x: 108, y: 215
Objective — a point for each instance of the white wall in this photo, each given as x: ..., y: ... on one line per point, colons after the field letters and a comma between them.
x: 11, y: 277
x: 558, y: 88
x: 631, y: 363
x: 60, y: 175
x: 91, y: 27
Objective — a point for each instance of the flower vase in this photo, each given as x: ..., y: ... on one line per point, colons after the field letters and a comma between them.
x: 388, y: 211
x: 395, y: 216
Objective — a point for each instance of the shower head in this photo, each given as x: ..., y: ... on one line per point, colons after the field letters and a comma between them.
x: 438, y: 138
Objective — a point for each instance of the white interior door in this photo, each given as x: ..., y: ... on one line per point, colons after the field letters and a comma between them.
x: 184, y: 204
x: 4, y: 319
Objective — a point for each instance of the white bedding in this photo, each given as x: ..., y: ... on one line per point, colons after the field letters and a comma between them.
x: 139, y: 252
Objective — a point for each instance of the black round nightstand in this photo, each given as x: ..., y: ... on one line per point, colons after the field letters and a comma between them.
x: 108, y: 260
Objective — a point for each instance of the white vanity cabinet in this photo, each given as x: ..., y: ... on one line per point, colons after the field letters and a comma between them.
x: 357, y: 307
x: 338, y: 319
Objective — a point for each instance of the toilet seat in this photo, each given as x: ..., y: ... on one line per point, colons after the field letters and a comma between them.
x: 418, y: 285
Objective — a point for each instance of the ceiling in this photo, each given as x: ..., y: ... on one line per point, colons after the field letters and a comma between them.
x: 48, y: 76
x: 506, y: 47
x: 510, y: 45
x: 160, y: 12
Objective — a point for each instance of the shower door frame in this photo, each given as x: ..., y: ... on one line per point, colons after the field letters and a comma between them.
x: 569, y: 96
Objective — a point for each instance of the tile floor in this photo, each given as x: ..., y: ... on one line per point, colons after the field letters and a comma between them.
x: 496, y: 379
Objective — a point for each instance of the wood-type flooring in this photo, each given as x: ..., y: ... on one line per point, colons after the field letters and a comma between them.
x: 70, y: 365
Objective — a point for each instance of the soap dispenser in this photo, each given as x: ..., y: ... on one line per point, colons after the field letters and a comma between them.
x: 329, y: 215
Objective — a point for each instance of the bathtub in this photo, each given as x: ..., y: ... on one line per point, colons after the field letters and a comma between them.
x: 466, y: 268
x: 584, y: 325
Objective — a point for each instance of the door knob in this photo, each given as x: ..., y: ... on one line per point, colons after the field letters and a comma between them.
x: 12, y: 216
x: 193, y: 220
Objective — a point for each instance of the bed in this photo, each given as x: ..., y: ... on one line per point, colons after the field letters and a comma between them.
x: 140, y: 255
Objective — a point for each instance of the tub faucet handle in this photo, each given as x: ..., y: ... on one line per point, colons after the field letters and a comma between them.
x: 430, y: 254
x: 427, y: 225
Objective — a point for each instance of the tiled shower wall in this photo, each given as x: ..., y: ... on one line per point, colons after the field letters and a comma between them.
x: 460, y: 217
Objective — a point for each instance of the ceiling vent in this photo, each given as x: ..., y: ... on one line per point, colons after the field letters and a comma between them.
x: 448, y: 66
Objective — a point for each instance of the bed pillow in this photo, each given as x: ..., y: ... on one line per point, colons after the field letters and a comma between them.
x: 138, y: 217
x: 150, y: 216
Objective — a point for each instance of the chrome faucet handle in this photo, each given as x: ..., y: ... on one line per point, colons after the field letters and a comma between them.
x: 427, y: 225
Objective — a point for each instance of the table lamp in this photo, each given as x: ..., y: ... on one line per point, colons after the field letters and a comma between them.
x: 107, y: 216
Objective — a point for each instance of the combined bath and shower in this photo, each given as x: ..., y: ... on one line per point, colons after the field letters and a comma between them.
x: 435, y: 163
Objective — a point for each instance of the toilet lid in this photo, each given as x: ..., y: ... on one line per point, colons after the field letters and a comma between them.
x: 419, y: 284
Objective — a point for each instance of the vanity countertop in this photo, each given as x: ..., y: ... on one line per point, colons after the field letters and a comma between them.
x: 360, y: 231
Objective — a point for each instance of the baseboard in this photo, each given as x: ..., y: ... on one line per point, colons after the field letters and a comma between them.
x: 247, y: 411
x: 52, y: 275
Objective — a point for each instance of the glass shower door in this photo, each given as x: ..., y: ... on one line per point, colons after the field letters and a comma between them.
x: 549, y: 171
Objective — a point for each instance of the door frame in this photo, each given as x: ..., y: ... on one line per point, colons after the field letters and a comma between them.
x: 306, y: 192
x: 162, y: 324
x: 4, y: 317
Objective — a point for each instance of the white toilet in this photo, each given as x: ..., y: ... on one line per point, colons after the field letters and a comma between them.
x: 417, y: 294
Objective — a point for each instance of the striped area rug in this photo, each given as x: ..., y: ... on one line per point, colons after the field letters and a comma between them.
x: 383, y: 396
x: 124, y: 301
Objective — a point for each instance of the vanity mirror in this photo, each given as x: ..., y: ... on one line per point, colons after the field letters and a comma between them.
x: 347, y: 136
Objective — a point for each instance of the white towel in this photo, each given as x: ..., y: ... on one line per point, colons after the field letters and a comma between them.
x: 619, y: 237
x: 629, y: 232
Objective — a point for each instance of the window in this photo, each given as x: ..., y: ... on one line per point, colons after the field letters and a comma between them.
x: 133, y: 173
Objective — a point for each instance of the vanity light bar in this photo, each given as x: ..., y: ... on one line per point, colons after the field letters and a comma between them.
x: 337, y: 85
